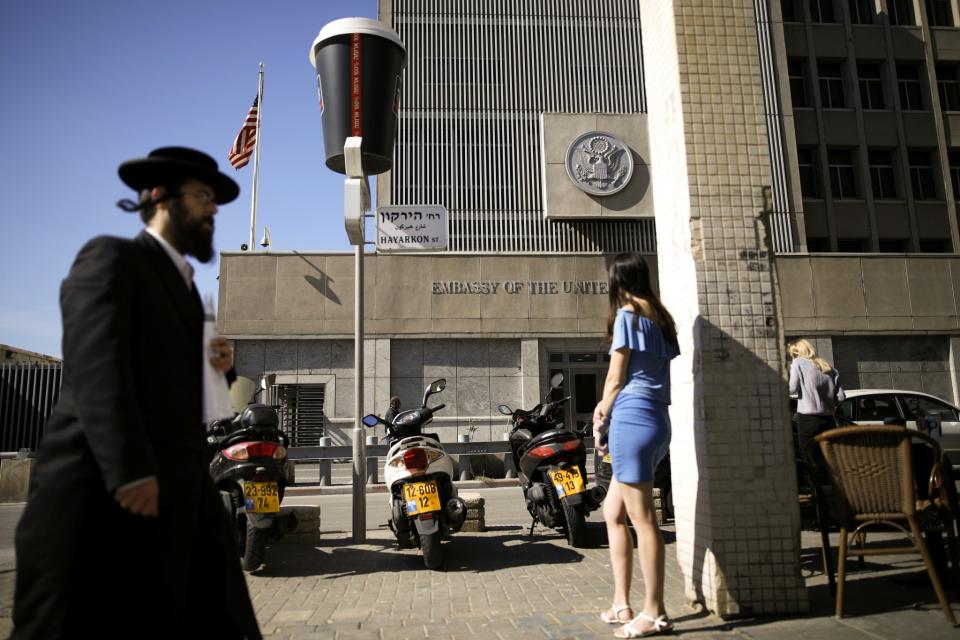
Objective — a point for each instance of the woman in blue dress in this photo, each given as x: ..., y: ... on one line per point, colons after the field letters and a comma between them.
x: 632, y: 421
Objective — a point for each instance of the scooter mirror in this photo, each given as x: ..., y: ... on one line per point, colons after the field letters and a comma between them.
x: 504, y: 409
x: 371, y: 420
x: 268, y: 381
x: 434, y: 387
x: 556, y: 379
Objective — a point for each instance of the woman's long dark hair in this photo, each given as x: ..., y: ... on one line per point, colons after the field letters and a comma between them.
x: 629, y: 278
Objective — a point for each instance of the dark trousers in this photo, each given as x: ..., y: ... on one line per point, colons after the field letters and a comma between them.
x: 808, y: 427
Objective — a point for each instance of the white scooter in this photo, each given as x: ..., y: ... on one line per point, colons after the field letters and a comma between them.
x: 424, y: 507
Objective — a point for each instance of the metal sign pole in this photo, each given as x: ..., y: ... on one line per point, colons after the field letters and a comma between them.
x: 356, y: 202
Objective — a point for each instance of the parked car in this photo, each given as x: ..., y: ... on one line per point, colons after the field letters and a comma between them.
x: 873, y: 406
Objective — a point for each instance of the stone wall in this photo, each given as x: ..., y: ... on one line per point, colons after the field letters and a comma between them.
x: 480, y: 374
x: 917, y: 363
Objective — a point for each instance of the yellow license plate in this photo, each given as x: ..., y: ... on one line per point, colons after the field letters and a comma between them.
x: 261, y: 497
x: 421, y: 497
x: 567, y: 482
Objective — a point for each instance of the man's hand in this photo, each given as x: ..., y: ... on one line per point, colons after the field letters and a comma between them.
x: 222, y: 358
x: 140, y: 499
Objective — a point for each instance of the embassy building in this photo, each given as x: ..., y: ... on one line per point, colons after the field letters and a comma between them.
x: 788, y: 168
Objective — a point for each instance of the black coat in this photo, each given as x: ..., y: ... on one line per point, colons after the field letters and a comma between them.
x: 130, y: 407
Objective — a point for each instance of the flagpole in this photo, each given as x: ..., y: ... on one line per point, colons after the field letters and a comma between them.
x: 256, y: 165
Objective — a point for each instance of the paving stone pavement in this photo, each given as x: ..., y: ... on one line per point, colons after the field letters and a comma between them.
x: 504, y: 584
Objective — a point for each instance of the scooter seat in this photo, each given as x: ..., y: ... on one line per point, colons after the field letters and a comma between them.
x: 520, y: 436
x: 550, y: 435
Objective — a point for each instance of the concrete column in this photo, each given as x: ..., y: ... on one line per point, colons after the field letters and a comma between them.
x: 734, y: 485
x: 954, y: 365
x: 530, y: 372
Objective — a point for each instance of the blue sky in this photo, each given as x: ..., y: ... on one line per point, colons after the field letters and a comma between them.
x: 87, y: 85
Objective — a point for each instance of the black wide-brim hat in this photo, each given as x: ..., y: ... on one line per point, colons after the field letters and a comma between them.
x: 174, y: 164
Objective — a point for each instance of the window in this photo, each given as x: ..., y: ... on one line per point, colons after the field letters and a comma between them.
x: 818, y: 245
x: 845, y: 410
x: 822, y: 11
x: 861, y: 11
x: 831, y: 85
x: 954, y: 156
x: 842, y: 181
x: 876, y: 408
x: 808, y: 173
x: 894, y: 245
x: 853, y: 245
x: 948, y: 86
x: 882, y: 179
x: 871, y: 86
x: 936, y: 246
x: 901, y: 12
x: 798, y: 84
x: 301, y: 413
x: 789, y: 10
x: 914, y: 404
x: 921, y: 175
x: 939, y: 14
x: 908, y: 83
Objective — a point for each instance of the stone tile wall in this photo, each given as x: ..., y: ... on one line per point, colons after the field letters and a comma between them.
x: 733, y: 481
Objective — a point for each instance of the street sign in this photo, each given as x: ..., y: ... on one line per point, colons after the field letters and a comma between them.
x: 412, y: 228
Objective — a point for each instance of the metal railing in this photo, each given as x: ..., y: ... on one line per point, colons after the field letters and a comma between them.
x: 28, y: 393
x: 325, y: 454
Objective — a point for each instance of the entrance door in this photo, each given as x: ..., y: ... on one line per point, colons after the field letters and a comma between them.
x: 584, y: 374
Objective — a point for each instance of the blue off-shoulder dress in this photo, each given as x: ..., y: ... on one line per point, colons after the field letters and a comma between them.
x: 639, y: 420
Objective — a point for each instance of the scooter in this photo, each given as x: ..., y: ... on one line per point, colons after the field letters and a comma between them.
x: 550, y: 462
x: 248, y: 467
x: 424, y: 507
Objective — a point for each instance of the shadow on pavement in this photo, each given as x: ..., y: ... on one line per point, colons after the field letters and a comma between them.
x: 500, y: 547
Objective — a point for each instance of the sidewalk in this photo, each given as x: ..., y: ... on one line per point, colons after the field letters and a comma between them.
x: 508, y: 585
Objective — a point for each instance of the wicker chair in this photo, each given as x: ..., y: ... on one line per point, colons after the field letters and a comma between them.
x: 871, y: 469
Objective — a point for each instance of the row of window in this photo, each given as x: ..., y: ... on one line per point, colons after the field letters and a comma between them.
x: 884, y: 185
x: 899, y: 12
x: 870, y: 81
x: 816, y: 244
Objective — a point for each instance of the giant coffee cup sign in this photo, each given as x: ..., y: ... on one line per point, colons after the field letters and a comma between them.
x: 358, y: 63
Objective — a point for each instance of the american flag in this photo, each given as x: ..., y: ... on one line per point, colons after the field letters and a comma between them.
x: 246, y: 140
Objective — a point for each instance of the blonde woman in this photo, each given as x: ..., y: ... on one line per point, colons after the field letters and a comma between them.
x: 817, y: 387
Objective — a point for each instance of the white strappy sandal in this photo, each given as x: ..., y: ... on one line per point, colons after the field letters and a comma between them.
x: 615, y: 618
x: 661, y: 624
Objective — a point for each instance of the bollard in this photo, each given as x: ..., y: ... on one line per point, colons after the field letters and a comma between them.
x: 466, y: 470
x: 371, y: 462
x: 509, y: 468
x: 324, y: 466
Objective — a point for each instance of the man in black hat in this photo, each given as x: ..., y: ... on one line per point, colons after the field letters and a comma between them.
x: 124, y: 531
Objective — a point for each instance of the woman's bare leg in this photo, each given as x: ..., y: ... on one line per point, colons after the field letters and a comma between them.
x: 638, y: 501
x: 621, y: 548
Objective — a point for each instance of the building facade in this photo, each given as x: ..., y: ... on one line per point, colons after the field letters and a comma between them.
x: 870, y: 104
x: 790, y: 175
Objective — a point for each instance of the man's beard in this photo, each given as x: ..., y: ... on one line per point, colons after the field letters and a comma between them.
x: 190, y: 236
